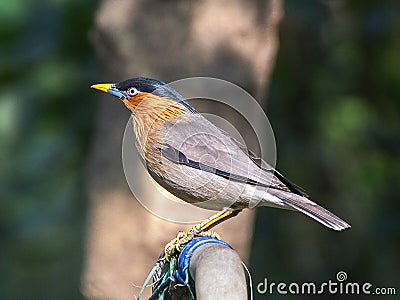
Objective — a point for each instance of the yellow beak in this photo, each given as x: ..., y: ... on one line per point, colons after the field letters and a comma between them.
x: 110, y: 89
x: 104, y: 87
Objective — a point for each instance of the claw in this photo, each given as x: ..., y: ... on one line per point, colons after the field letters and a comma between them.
x: 202, y: 229
x: 177, y: 244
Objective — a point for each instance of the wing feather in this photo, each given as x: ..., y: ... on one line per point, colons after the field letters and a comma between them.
x: 207, y: 147
x: 195, y: 142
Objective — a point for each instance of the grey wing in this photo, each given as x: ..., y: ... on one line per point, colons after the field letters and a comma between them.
x: 203, y: 145
x: 197, y: 143
x: 279, y: 179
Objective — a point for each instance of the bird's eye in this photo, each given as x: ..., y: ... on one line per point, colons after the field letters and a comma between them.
x: 132, y: 91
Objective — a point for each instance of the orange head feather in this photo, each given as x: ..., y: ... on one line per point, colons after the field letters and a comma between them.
x: 151, y: 102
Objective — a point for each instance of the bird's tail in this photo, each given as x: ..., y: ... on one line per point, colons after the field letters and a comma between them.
x: 312, y: 210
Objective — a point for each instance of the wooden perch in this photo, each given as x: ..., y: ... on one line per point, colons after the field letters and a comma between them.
x: 218, y: 273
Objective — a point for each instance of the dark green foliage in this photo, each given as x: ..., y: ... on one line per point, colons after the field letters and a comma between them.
x: 334, y: 104
x: 46, y: 119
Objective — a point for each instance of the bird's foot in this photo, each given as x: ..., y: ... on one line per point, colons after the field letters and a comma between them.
x: 177, y: 244
x: 202, y: 229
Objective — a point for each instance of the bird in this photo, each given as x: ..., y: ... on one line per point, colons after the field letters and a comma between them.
x: 200, y: 163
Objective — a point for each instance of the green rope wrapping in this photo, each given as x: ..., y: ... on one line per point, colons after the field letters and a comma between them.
x: 171, y: 279
x: 165, y: 284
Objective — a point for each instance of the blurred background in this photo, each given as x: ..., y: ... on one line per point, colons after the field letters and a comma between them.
x: 333, y: 101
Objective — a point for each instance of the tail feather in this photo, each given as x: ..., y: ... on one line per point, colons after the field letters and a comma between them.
x: 312, y: 210
x: 318, y: 213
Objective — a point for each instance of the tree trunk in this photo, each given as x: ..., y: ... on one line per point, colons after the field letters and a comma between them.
x: 233, y: 40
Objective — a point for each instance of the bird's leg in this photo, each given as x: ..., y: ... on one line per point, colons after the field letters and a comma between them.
x: 214, y: 220
x: 201, y: 229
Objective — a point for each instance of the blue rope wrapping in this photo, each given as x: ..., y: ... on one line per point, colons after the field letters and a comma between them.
x: 175, y: 273
x: 182, y: 273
